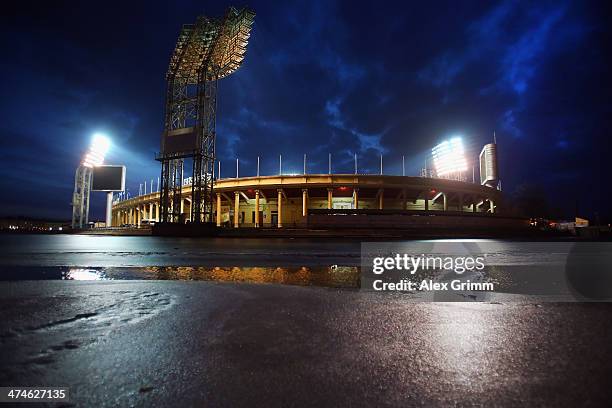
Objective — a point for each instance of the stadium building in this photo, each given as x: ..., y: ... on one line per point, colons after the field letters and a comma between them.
x: 213, y: 49
x: 332, y: 201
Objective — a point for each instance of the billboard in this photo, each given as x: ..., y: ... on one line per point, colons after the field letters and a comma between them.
x: 179, y: 141
x: 108, y: 178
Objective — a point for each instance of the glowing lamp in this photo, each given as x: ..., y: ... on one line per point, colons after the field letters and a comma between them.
x: 98, y: 149
x: 449, y: 157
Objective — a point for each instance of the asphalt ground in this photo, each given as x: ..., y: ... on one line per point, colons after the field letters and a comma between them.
x: 177, y: 343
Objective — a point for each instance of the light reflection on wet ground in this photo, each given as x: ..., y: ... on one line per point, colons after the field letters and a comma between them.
x: 328, y: 276
x: 83, y: 274
x: 331, y: 276
x: 506, y: 279
x: 512, y: 268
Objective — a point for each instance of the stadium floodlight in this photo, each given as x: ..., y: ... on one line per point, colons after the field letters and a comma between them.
x: 449, y: 157
x: 205, y: 52
x: 82, y: 181
x: 98, y: 149
x: 100, y: 144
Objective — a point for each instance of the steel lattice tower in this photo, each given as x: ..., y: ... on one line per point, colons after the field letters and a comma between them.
x: 205, y: 52
x: 80, y: 197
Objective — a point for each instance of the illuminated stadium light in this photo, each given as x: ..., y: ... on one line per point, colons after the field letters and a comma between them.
x: 93, y: 163
x: 100, y: 144
x: 449, y: 157
x: 98, y: 149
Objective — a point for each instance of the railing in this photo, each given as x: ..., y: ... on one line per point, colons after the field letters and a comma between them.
x: 425, y: 172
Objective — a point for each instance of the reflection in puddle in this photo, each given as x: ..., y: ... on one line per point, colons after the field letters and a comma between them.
x: 330, y: 276
x: 84, y: 274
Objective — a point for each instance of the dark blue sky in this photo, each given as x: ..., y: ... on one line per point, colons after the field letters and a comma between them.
x: 319, y: 77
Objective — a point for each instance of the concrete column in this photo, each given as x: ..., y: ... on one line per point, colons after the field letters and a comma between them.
x: 329, y: 198
x: 151, y: 217
x: 474, y: 208
x: 381, y: 199
x: 280, y: 208
x: 109, y: 209
x: 461, y: 202
x: 426, y: 199
x: 218, y: 209
x: 256, y: 208
x: 304, y: 202
x: 492, y: 206
x: 445, y: 198
x: 236, y: 208
x: 356, y: 197
x: 182, y: 205
x: 138, y: 215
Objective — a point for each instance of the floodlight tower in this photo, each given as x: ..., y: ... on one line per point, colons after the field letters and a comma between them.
x: 82, y: 179
x: 205, y: 52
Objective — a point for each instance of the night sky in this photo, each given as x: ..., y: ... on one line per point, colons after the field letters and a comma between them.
x: 319, y: 77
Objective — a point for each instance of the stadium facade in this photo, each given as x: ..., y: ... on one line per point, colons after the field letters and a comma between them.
x: 332, y: 201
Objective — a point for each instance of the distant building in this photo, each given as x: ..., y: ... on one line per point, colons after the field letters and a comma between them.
x: 489, y: 172
x: 581, y: 222
x: 24, y: 224
x: 571, y: 225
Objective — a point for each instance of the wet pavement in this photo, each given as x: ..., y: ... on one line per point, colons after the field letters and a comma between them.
x: 20, y: 251
x: 175, y: 343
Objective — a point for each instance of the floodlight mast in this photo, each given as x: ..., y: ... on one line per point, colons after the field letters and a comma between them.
x: 205, y: 52
x: 80, y: 196
x: 82, y: 179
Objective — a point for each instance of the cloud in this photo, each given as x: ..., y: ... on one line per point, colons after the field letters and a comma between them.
x: 521, y: 60
x: 483, y: 36
x: 366, y: 141
x: 509, y: 125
